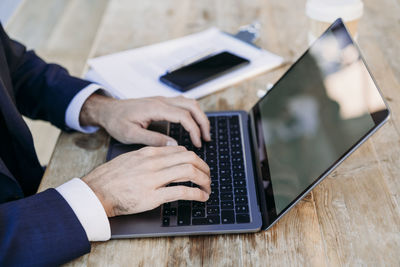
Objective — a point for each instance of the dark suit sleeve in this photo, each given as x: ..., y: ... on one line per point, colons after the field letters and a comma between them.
x: 42, y: 91
x: 41, y: 230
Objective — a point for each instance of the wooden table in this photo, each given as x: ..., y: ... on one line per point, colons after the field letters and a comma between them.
x: 351, y: 218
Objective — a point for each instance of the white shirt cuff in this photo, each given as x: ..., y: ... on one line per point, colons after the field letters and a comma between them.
x: 88, y: 208
x: 75, y: 106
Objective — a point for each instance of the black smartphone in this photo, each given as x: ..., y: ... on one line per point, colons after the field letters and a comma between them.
x: 203, y: 70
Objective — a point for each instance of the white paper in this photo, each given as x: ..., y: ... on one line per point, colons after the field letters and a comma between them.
x: 135, y: 73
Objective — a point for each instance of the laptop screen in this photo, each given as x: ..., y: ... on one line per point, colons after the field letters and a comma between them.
x: 323, y: 106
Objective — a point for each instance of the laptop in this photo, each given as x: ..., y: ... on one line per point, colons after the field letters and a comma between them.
x: 266, y: 160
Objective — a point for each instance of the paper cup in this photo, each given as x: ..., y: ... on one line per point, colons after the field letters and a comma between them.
x: 322, y: 13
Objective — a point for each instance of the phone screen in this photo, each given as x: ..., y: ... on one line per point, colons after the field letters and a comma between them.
x: 203, y: 70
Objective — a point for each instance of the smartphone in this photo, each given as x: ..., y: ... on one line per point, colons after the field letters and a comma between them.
x: 203, y: 70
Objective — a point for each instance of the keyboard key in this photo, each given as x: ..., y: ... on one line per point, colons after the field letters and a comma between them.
x: 222, y: 150
x: 242, y: 209
x: 225, y: 188
x: 213, y: 201
x: 224, y: 158
x: 173, y: 211
x: 237, y: 167
x: 213, y: 220
x: 236, y: 140
x: 166, y: 212
x: 165, y: 221
x: 213, y: 171
x: 210, y: 146
x: 237, y: 160
x: 234, y: 131
x: 211, y: 154
x: 234, y: 120
x: 214, y: 184
x: 241, y: 200
x: 225, y: 180
x: 198, y: 213
x: 234, y: 127
x: 213, y: 210
x: 236, y: 153
x: 211, y: 161
x: 223, y: 143
x: 224, y: 172
x: 227, y: 205
x: 184, y: 215
x: 240, y: 191
x: 225, y: 165
x: 242, y: 218
x: 214, y: 193
x: 222, y: 137
x: 199, y: 221
x: 198, y: 204
x: 222, y: 122
x: 227, y: 216
x: 226, y: 196
x: 239, y: 183
x: 238, y: 175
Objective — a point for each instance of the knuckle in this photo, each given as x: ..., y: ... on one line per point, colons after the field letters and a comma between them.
x: 197, y: 193
x: 181, y: 148
x: 149, y: 150
x: 182, y: 192
x: 190, y: 170
x: 195, y: 103
x: 208, y: 180
x: 186, y: 115
x: 205, y: 180
x: 192, y: 156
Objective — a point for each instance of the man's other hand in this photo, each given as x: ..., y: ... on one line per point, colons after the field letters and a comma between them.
x: 127, y: 120
x: 137, y: 181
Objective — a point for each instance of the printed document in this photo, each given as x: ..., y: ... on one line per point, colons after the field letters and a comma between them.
x: 135, y: 73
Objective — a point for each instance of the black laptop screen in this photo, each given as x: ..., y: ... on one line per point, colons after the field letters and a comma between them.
x: 321, y: 108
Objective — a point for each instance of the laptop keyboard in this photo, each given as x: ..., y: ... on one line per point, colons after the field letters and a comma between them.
x: 228, y: 202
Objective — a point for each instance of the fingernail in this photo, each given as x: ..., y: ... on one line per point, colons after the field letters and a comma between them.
x: 172, y: 143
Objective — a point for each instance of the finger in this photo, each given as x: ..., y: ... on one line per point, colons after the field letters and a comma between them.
x: 194, y: 108
x: 182, y: 157
x: 173, y: 193
x: 174, y: 114
x: 161, y: 151
x: 151, y: 138
x: 184, y: 173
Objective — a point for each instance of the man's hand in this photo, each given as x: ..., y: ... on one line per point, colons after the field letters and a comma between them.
x: 127, y: 120
x: 136, y: 181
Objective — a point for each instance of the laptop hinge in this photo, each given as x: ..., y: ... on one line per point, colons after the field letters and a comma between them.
x: 257, y: 172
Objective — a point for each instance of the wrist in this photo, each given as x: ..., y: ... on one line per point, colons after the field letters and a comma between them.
x: 107, y: 206
x: 93, y: 110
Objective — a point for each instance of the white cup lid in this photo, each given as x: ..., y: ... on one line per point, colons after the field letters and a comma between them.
x: 330, y: 10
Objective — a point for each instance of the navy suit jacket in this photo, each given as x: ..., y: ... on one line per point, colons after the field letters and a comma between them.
x: 35, y: 229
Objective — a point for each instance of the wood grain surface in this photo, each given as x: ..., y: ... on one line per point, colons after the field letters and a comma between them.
x: 351, y: 218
